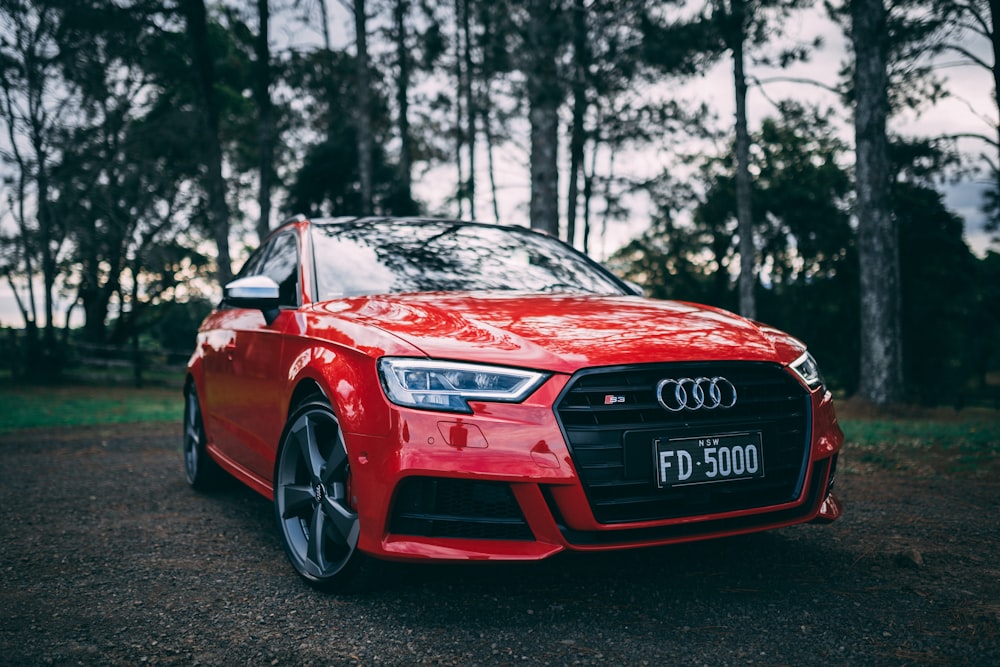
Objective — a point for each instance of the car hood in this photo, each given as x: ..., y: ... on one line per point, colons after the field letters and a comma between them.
x: 564, y: 333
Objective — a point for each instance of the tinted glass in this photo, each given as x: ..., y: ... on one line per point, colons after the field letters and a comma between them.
x: 383, y: 257
x: 252, y: 265
x: 281, y: 266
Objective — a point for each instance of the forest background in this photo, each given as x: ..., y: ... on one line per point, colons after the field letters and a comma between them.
x: 147, y: 145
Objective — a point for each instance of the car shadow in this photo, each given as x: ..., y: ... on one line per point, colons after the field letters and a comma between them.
x: 772, y: 563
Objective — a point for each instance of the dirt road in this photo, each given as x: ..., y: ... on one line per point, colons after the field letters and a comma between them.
x: 107, y: 557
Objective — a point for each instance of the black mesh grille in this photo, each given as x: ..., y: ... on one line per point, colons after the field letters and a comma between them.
x: 438, y: 507
x: 612, y: 439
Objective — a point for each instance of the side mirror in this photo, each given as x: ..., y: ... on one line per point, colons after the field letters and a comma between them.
x: 258, y: 292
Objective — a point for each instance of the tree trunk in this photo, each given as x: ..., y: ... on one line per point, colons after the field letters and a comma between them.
x: 588, y: 193
x: 544, y: 98
x: 581, y: 62
x: 215, y: 184
x: 363, y: 114
x: 488, y: 132
x: 405, y: 186
x: 744, y: 208
x: 459, y: 111
x: 324, y: 16
x: 878, y: 236
x: 994, y: 6
x: 471, y: 108
x: 23, y: 238
x: 265, y: 119
x: 47, y: 238
x: 46, y: 233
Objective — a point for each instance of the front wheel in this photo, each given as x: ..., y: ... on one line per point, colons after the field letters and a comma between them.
x: 316, y: 520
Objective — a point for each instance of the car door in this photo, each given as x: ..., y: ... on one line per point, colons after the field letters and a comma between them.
x: 244, y: 385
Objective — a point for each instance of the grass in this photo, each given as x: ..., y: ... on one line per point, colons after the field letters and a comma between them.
x: 924, y: 441
x: 69, y: 406
x: 927, y: 443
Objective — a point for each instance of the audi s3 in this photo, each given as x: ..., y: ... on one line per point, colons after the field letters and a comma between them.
x: 410, y: 389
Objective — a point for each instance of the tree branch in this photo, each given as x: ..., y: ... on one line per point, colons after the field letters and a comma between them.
x: 798, y: 80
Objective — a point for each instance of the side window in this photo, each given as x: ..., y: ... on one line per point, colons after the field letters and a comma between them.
x: 282, y: 266
x: 252, y: 266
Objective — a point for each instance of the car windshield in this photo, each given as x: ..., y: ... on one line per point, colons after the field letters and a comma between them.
x: 392, y: 256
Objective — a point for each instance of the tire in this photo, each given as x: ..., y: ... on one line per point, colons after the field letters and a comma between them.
x: 203, y: 473
x: 318, y: 526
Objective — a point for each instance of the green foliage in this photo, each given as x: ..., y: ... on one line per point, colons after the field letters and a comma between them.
x: 108, y: 201
x: 984, y: 343
x: 801, y: 219
x: 328, y: 181
x: 939, y: 296
x: 810, y: 285
x: 912, y: 36
x: 175, y: 324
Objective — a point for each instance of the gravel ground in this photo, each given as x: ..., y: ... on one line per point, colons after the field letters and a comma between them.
x: 107, y: 557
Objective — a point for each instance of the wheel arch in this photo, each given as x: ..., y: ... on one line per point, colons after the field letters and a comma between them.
x: 189, y: 382
x: 347, y: 379
x: 306, y: 388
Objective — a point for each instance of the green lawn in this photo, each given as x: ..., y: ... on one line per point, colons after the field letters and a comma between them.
x: 937, y: 442
x: 941, y: 440
x: 35, y: 407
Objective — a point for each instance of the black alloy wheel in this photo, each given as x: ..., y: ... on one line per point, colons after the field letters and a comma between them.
x: 203, y: 473
x: 316, y: 520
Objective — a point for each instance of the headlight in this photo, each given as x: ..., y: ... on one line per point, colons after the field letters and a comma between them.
x: 807, y: 369
x: 447, y: 385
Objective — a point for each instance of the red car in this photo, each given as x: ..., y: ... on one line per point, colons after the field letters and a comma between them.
x: 429, y: 389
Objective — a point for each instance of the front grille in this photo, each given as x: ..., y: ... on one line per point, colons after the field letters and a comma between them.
x: 612, y: 444
x: 440, y: 507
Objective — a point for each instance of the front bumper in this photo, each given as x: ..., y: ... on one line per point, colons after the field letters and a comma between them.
x: 503, y: 484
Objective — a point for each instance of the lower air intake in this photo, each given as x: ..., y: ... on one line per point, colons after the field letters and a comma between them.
x: 439, y: 507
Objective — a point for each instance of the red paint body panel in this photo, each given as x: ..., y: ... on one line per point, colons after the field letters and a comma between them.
x: 561, y: 333
x: 247, y: 372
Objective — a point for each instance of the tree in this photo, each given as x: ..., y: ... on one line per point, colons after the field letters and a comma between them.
x: 878, y: 233
x: 939, y: 305
x: 618, y: 52
x: 328, y: 182
x: 125, y: 181
x: 466, y: 75
x: 743, y: 25
x: 543, y: 31
x: 363, y: 105
x: 985, y: 324
x: 417, y: 46
x: 498, y: 52
x: 734, y: 21
x: 265, y: 118
x: 203, y: 69
x: 891, y: 70
x: 580, y: 76
x: 35, y: 109
x: 966, y: 25
x: 801, y: 214
x: 400, y: 14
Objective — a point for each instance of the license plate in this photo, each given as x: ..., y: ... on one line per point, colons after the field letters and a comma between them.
x: 707, y: 459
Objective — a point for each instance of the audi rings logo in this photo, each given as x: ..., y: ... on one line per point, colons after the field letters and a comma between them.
x: 677, y: 394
